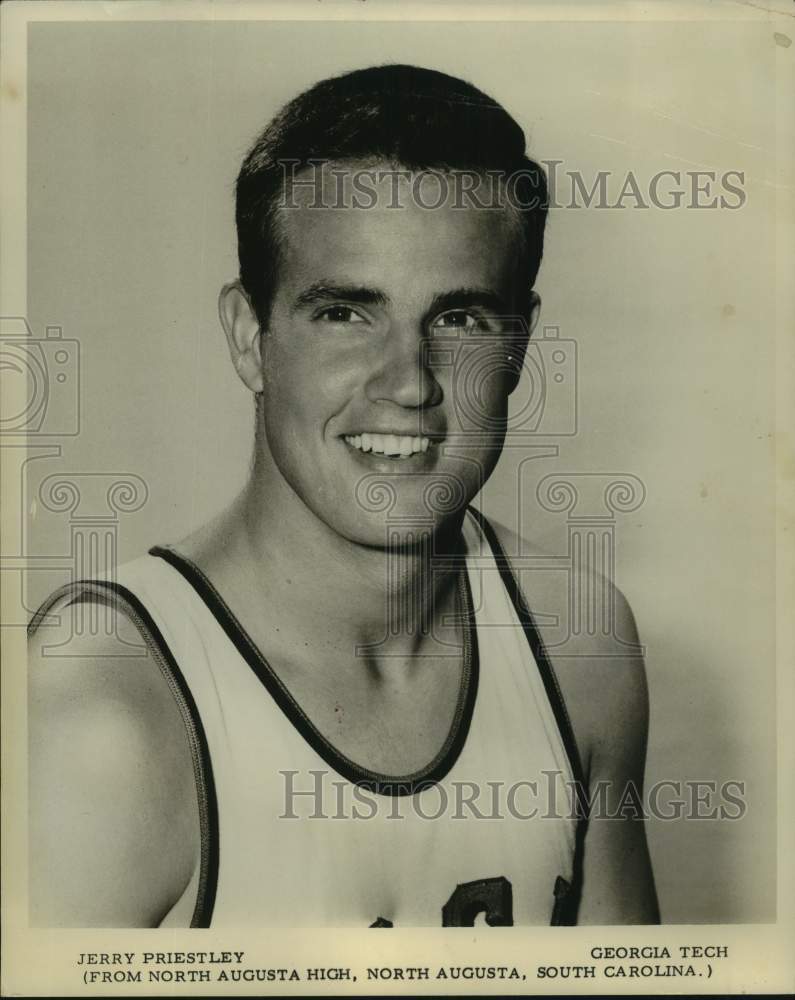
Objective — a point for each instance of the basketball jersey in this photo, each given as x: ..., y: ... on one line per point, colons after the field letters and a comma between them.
x: 293, y: 833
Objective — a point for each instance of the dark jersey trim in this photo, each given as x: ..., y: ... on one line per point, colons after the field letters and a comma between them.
x: 373, y: 781
x: 123, y: 600
x: 551, y: 686
x: 567, y: 895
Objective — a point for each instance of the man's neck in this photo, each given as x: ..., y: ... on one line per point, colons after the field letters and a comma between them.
x: 270, y: 548
x: 362, y: 593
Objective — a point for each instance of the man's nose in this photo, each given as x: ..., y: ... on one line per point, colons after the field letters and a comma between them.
x: 403, y: 376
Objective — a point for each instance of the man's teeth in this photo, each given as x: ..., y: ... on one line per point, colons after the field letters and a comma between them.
x: 389, y: 444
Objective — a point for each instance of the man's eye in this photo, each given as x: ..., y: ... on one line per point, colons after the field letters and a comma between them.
x: 457, y: 319
x: 340, y: 314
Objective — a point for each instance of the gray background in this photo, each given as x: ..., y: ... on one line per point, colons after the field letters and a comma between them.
x: 136, y: 132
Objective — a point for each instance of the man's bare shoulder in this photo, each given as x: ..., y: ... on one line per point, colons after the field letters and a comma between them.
x: 114, y: 829
x: 601, y: 675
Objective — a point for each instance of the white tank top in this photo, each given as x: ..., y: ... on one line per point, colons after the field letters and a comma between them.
x: 295, y: 834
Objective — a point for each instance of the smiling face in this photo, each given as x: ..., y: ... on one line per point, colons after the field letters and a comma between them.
x: 387, y: 361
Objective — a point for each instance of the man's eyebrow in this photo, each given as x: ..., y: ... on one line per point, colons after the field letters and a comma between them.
x: 463, y: 298
x: 328, y: 291
x: 458, y: 298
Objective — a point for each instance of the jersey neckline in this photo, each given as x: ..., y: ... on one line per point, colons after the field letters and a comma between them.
x: 374, y: 781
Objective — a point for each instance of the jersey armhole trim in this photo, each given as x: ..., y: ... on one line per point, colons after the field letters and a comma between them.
x: 124, y: 601
x: 545, y: 669
x: 567, y: 894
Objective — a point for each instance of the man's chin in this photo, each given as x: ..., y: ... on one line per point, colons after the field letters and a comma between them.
x: 406, y: 498
x: 407, y: 530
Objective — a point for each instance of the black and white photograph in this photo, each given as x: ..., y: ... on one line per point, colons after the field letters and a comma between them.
x: 397, y: 476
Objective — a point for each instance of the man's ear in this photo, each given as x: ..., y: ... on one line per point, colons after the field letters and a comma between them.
x: 535, y: 312
x: 518, y: 347
x: 242, y: 330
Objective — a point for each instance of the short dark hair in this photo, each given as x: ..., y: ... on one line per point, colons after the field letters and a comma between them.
x: 416, y: 118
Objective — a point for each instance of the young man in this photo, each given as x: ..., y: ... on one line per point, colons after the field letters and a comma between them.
x: 342, y: 696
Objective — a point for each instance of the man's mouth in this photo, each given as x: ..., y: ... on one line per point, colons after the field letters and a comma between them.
x: 389, y: 445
